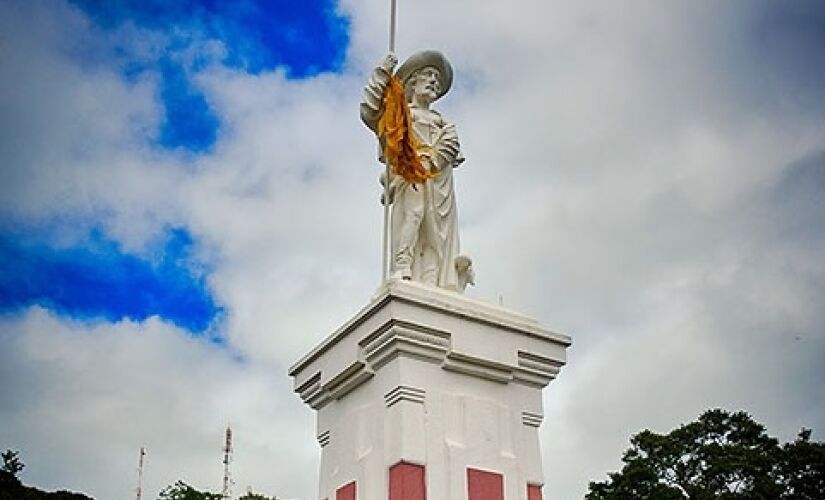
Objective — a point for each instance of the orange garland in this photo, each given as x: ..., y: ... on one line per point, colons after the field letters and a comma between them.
x: 396, y: 134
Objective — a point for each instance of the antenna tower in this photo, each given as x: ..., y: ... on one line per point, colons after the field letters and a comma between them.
x: 139, y: 490
x: 227, y: 459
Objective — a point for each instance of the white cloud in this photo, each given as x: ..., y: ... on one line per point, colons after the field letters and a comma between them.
x: 638, y: 156
x: 81, y: 399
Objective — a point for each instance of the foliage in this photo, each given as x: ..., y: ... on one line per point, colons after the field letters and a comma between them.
x: 11, y: 488
x: 722, y: 455
x: 182, y: 491
x: 11, y: 462
x: 802, y: 468
x: 256, y: 496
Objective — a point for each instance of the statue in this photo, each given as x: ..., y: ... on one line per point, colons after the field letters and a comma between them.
x: 424, y: 244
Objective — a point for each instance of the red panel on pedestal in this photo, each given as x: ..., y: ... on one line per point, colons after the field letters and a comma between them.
x: 483, y: 485
x: 533, y: 492
x: 346, y: 492
x: 407, y: 482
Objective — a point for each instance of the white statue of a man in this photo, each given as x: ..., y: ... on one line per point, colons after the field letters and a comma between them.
x: 424, y: 242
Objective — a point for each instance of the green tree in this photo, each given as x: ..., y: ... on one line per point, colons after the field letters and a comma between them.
x: 802, y: 468
x: 182, y: 491
x: 11, y: 462
x: 722, y: 455
x: 256, y: 496
x: 11, y: 488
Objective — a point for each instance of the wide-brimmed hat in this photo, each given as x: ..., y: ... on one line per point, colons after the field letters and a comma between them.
x: 428, y: 58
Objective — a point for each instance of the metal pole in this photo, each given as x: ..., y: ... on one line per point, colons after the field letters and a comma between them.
x: 140, y: 474
x: 392, y: 25
x: 386, y: 250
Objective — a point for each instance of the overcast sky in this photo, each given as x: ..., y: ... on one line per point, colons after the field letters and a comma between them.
x: 188, y: 203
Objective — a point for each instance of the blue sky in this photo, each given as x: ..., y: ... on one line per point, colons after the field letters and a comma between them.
x: 302, y: 38
x: 95, y: 277
x: 305, y: 37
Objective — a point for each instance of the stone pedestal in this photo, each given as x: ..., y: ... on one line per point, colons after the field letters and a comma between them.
x: 426, y: 393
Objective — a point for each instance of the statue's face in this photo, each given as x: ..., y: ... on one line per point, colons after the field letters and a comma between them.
x: 426, y: 84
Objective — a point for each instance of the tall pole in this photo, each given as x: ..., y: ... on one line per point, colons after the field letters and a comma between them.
x: 392, y: 25
x: 140, y: 474
x: 386, y: 250
x: 227, y: 459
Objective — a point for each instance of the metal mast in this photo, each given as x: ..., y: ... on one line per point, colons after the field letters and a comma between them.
x: 385, y: 250
x: 227, y: 459
x: 139, y: 490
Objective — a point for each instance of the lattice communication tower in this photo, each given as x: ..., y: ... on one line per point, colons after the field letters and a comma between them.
x: 227, y: 459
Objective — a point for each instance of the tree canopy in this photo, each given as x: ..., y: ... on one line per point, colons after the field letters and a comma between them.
x: 256, y: 496
x: 11, y: 462
x: 11, y: 488
x: 722, y: 455
x: 182, y: 491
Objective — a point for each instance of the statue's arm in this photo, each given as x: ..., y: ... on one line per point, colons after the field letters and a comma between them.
x: 374, y: 91
x: 447, y: 148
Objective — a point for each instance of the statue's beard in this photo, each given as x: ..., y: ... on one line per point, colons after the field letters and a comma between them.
x: 426, y: 97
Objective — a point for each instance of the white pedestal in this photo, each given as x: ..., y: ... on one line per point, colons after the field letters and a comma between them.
x: 448, y: 387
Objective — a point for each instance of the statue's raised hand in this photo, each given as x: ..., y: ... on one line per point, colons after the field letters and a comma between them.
x: 388, y: 63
